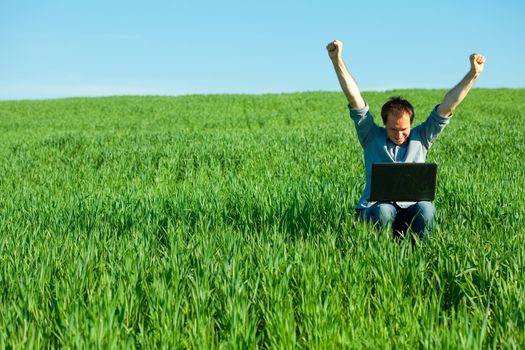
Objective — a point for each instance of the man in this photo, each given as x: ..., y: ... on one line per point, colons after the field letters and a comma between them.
x: 398, y: 142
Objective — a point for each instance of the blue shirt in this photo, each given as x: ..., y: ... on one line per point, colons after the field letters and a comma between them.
x: 378, y: 148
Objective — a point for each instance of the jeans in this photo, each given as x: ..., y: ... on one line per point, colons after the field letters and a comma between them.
x: 419, y: 217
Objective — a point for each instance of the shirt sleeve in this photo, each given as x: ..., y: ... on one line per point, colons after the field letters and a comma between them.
x: 364, y: 124
x: 432, y: 127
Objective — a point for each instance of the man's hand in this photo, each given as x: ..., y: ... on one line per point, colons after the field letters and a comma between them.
x: 335, y: 49
x: 477, y: 63
x: 346, y: 81
x: 454, y: 97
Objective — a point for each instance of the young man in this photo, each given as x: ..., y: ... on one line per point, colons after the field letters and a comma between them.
x: 398, y: 142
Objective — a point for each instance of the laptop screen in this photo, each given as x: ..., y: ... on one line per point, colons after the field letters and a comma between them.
x: 403, y: 182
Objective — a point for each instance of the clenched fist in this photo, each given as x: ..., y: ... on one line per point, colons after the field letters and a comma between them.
x: 477, y: 63
x: 334, y: 49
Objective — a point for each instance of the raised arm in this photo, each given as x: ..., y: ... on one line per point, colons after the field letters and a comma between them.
x: 349, y: 86
x: 454, y: 97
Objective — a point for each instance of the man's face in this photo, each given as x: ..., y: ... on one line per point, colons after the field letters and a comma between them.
x: 398, y: 127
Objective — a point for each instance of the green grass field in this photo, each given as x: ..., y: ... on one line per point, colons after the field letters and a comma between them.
x: 228, y: 221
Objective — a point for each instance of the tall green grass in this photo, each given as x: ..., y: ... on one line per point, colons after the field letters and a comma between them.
x: 228, y: 221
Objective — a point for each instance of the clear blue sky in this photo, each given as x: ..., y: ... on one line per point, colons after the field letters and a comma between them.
x: 105, y: 47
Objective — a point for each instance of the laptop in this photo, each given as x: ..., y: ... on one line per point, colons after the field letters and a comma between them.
x: 403, y: 182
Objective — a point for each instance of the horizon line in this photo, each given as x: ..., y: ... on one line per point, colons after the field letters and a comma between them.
x: 153, y: 94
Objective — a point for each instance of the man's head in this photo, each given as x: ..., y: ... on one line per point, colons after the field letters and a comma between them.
x: 397, y: 115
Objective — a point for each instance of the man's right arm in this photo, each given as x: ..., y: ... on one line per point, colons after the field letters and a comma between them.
x: 348, y: 84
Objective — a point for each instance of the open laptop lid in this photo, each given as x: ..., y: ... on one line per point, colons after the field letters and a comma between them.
x: 403, y: 182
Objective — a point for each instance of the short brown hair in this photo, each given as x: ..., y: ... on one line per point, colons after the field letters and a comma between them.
x: 397, y: 106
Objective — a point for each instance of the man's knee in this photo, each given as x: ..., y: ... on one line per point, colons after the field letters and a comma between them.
x: 383, y: 214
x: 425, y: 211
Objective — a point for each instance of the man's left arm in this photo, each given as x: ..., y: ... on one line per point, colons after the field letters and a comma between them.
x: 454, y: 97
